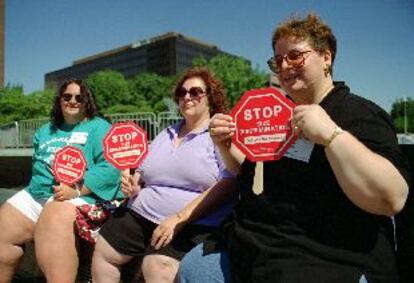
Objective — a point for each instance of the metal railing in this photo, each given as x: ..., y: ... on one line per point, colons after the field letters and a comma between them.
x: 27, y: 128
x: 20, y: 134
x: 9, y: 134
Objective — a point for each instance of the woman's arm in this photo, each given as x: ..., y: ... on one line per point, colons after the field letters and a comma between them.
x: 369, y: 180
x: 205, y: 203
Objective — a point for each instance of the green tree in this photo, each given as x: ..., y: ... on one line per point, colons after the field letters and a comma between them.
x: 15, y: 105
x: 236, y: 73
x: 149, y: 91
x: 11, y: 99
x: 110, y: 88
x: 143, y: 93
x: 38, y: 104
x: 118, y: 108
x: 402, y: 112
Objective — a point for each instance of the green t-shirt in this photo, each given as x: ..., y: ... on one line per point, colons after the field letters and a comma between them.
x: 101, y: 178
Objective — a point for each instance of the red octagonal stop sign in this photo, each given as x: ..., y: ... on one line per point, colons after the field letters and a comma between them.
x: 125, y: 145
x: 263, y: 121
x: 69, y: 165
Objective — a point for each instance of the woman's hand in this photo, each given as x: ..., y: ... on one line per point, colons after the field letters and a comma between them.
x: 313, y: 122
x: 130, y: 185
x: 166, y: 230
x: 64, y: 192
x: 221, y: 128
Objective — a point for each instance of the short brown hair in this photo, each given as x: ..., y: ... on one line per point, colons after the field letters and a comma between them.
x: 311, y: 28
x: 215, y: 91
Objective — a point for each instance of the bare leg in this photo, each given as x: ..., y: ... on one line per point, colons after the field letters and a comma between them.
x: 16, y: 229
x: 55, y: 242
x: 159, y: 269
x: 106, y: 263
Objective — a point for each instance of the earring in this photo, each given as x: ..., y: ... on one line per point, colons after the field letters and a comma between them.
x: 327, y: 70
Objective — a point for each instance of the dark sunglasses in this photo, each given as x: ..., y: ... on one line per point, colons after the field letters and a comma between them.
x: 194, y: 92
x: 68, y: 97
x: 294, y: 58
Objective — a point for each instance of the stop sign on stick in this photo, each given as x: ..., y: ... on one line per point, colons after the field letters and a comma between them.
x: 263, y: 121
x: 125, y: 145
x: 69, y: 165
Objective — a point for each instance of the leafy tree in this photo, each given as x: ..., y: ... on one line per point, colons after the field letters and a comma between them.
x: 118, y: 108
x: 149, y: 90
x: 236, y: 73
x: 11, y: 99
x: 144, y: 93
x: 403, y: 112
x: 110, y: 88
x: 38, y: 104
x: 15, y: 106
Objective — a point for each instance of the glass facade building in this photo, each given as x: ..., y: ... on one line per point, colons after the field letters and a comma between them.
x: 167, y: 54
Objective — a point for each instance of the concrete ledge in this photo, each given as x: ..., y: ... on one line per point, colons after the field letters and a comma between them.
x: 6, y: 193
x: 16, y: 152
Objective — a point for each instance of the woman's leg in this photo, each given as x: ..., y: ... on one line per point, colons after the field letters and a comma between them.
x: 198, y: 268
x: 55, y: 242
x: 106, y: 262
x: 16, y: 229
x: 159, y: 269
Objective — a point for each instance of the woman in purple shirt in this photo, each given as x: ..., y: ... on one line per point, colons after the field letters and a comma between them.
x: 178, y: 197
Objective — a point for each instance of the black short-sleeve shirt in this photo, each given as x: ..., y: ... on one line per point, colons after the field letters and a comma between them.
x: 303, y: 228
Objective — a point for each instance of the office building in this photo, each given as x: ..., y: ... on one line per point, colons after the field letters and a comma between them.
x: 165, y: 55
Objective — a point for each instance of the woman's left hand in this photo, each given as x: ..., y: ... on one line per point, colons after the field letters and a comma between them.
x: 165, y: 232
x: 313, y: 122
x: 64, y: 192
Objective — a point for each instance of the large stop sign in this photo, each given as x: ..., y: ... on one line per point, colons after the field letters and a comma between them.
x: 125, y: 145
x: 263, y: 120
x: 69, y: 165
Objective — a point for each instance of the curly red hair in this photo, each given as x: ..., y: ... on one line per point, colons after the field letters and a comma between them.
x: 216, y: 93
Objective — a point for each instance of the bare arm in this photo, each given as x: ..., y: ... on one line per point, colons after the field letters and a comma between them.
x: 205, y: 203
x: 369, y: 180
x: 208, y: 201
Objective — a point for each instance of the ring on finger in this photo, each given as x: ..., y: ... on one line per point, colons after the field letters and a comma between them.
x: 212, y: 131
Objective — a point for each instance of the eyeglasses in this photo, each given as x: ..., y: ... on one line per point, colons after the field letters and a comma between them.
x: 68, y: 97
x: 294, y: 59
x: 194, y: 92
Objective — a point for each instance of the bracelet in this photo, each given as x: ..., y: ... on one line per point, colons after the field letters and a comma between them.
x: 335, y: 133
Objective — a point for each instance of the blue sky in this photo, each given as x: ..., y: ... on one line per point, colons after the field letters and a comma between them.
x: 375, y: 37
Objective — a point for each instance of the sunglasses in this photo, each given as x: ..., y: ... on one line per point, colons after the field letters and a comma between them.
x: 195, y: 92
x: 68, y: 97
x: 294, y: 58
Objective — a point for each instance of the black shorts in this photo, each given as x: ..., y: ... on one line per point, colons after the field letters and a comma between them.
x: 130, y: 234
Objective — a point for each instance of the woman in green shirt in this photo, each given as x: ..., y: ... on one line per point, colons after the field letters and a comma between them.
x: 45, y: 210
